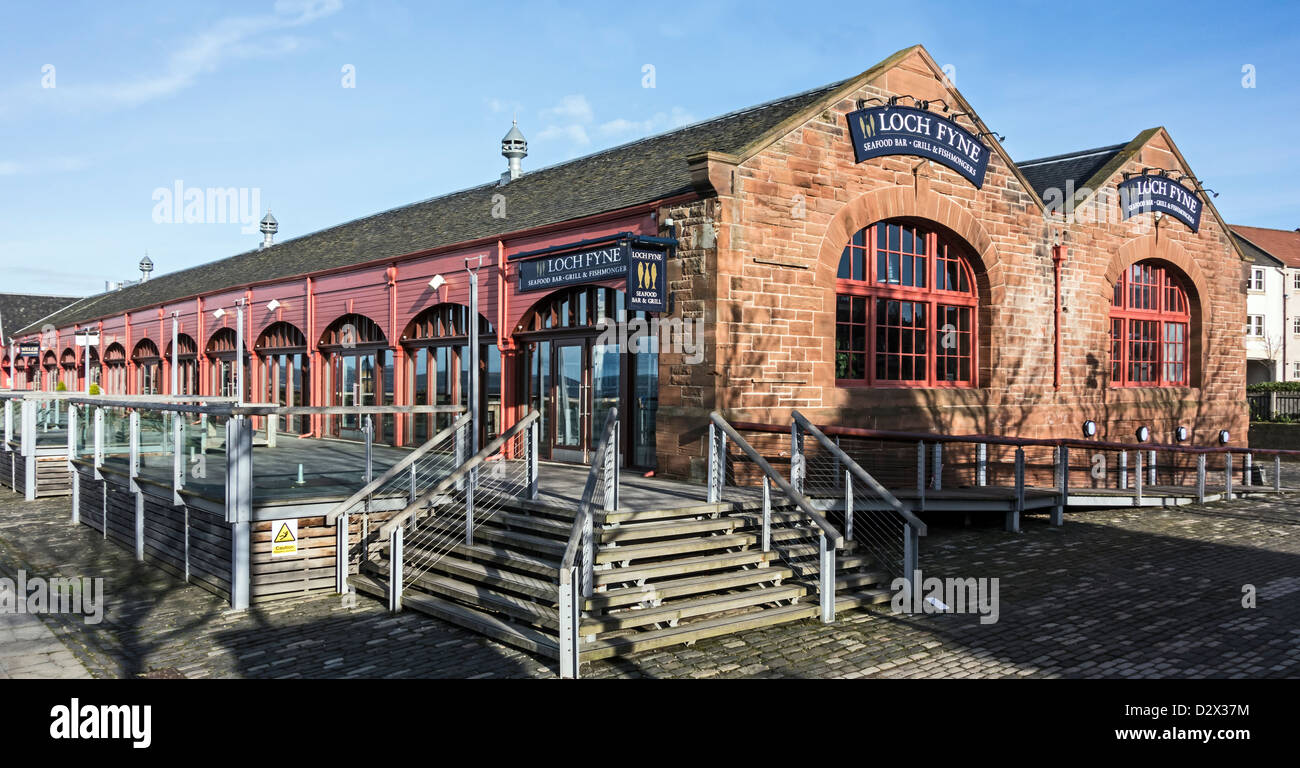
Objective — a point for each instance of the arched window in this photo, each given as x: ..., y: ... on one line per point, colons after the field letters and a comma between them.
x: 358, y: 372
x: 115, y: 369
x: 905, y: 309
x: 187, y: 373
x: 50, y: 364
x: 68, y: 364
x: 1150, y: 321
x: 147, y: 367
x: 286, y: 371
x: 579, y: 307
x: 225, y: 372
x: 438, y: 367
x: 282, y: 335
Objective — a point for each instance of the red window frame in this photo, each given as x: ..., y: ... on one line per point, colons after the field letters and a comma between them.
x: 1150, y: 326
x: 946, y: 280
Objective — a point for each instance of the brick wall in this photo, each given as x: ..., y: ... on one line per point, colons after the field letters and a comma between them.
x: 778, y: 228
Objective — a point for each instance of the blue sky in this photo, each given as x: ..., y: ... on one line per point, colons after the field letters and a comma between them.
x: 250, y: 95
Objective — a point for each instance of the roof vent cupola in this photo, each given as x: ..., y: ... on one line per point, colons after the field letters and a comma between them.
x: 146, y: 266
x: 514, y: 147
x: 269, y: 227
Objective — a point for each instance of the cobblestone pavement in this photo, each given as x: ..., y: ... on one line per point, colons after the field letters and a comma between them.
x: 1117, y: 593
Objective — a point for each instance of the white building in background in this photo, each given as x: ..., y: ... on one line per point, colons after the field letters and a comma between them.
x: 1272, y: 322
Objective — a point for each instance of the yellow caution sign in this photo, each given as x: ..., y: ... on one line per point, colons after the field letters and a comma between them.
x: 285, y: 538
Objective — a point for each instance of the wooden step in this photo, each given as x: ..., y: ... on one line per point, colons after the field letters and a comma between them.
x: 519, y: 636
x: 495, y: 577
x: 544, y: 568
x: 682, y: 565
x: 703, y: 509
x: 685, y: 586
x: 479, y: 597
x: 609, y: 553
x: 667, y: 529
x: 676, y: 610
x: 605, y: 647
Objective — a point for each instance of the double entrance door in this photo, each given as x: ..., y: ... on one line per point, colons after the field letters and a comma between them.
x: 573, y: 382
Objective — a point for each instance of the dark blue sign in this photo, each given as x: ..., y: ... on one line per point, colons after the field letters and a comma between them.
x: 645, y: 279
x: 29, y: 349
x: 1142, y: 194
x: 880, y: 131
x: 586, y: 266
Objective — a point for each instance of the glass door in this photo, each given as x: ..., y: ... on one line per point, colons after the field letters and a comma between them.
x: 569, y: 399
x: 643, y: 406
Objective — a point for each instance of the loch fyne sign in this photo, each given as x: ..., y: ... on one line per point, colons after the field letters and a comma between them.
x: 879, y: 131
x: 587, y: 266
x: 1161, y: 194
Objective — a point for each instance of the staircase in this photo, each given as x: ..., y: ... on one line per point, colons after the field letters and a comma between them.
x: 603, y: 580
x: 662, y: 576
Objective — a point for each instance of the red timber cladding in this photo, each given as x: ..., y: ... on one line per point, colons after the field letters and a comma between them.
x: 293, y: 307
x: 364, y: 292
x: 210, y: 325
x: 774, y: 298
x: 414, y: 294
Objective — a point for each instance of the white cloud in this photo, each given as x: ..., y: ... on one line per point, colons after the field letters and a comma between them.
x: 232, y: 38
x: 574, y: 107
x: 660, y: 121
x: 572, y: 132
x: 43, y: 165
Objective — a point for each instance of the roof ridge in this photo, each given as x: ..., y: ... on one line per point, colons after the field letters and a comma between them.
x: 1072, y: 155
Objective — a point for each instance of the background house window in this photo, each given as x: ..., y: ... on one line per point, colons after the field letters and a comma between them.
x: 1255, y: 326
x: 1295, y: 325
x: 1257, y: 279
x: 1295, y: 280
x: 905, y: 309
x: 1150, y: 319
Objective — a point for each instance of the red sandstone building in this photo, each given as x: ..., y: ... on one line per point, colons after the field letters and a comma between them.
x: 962, y: 294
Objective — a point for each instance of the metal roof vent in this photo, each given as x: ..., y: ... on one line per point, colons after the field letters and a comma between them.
x: 146, y: 266
x: 514, y: 147
x: 269, y: 227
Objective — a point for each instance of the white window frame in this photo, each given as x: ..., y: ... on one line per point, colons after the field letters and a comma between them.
x: 1255, y: 326
x: 1257, y: 279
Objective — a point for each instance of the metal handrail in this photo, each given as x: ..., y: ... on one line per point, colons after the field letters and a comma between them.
x: 395, y: 470
x: 460, y: 473
x: 859, y: 473
x: 584, y: 506
x: 833, y: 536
x: 1050, y: 442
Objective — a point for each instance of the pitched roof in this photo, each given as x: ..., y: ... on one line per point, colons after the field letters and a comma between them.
x: 1282, y: 244
x: 20, y: 310
x: 638, y: 172
x: 1072, y: 168
x: 1261, y: 257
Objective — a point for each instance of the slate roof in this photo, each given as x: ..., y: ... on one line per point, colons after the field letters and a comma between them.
x: 638, y: 172
x: 1282, y: 244
x: 1078, y: 167
x: 1262, y: 257
x: 20, y: 310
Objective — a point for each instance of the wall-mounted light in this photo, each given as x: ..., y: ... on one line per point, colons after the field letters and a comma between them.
x: 437, y: 282
x: 1143, y: 434
x: 994, y: 134
x: 1224, y: 437
x: 219, y: 313
x: 1089, y: 428
x: 1180, y: 434
x: 273, y: 305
